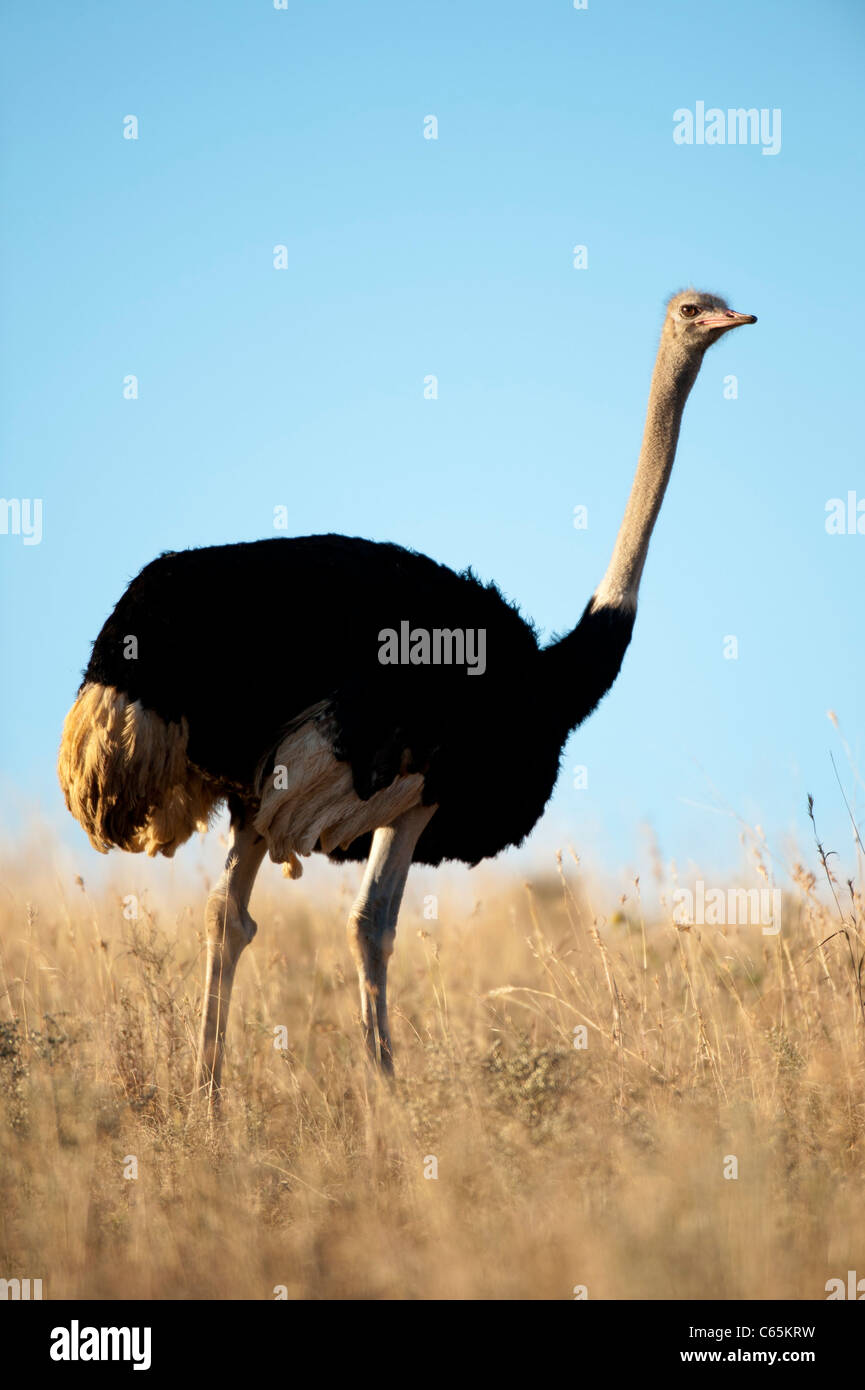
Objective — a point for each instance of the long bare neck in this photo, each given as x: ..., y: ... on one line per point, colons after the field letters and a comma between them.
x: 579, y: 668
x: 672, y: 380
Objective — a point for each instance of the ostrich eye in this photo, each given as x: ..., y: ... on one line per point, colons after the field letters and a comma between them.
x: 689, y: 311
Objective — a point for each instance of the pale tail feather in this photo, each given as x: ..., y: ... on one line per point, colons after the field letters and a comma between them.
x: 126, y: 777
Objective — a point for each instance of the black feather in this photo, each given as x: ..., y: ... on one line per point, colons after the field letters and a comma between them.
x: 240, y: 639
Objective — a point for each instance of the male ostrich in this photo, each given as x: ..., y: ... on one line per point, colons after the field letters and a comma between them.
x: 253, y: 674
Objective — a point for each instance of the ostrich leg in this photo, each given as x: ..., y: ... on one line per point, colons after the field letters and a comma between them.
x: 372, y: 922
x: 229, y: 929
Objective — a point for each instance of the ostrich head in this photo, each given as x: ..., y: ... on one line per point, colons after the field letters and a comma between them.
x: 694, y: 320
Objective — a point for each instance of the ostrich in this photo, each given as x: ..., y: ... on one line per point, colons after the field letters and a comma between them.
x: 285, y: 704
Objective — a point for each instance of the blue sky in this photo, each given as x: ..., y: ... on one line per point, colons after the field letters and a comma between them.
x: 303, y: 387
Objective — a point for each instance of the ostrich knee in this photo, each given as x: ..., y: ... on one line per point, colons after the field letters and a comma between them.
x: 372, y: 923
x: 229, y: 931
x: 229, y: 926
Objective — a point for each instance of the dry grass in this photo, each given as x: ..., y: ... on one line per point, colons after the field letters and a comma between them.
x: 557, y: 1167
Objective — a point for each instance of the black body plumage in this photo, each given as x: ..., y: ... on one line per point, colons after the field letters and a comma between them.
x: 241, y: 639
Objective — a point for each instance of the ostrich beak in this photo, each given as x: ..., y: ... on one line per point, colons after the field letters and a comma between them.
x: 725, y: 318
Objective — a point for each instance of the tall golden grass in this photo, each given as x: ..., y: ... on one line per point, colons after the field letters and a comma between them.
x: 558, y: 1167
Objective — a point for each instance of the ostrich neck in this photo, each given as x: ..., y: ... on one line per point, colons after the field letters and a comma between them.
x: 672, y: 380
